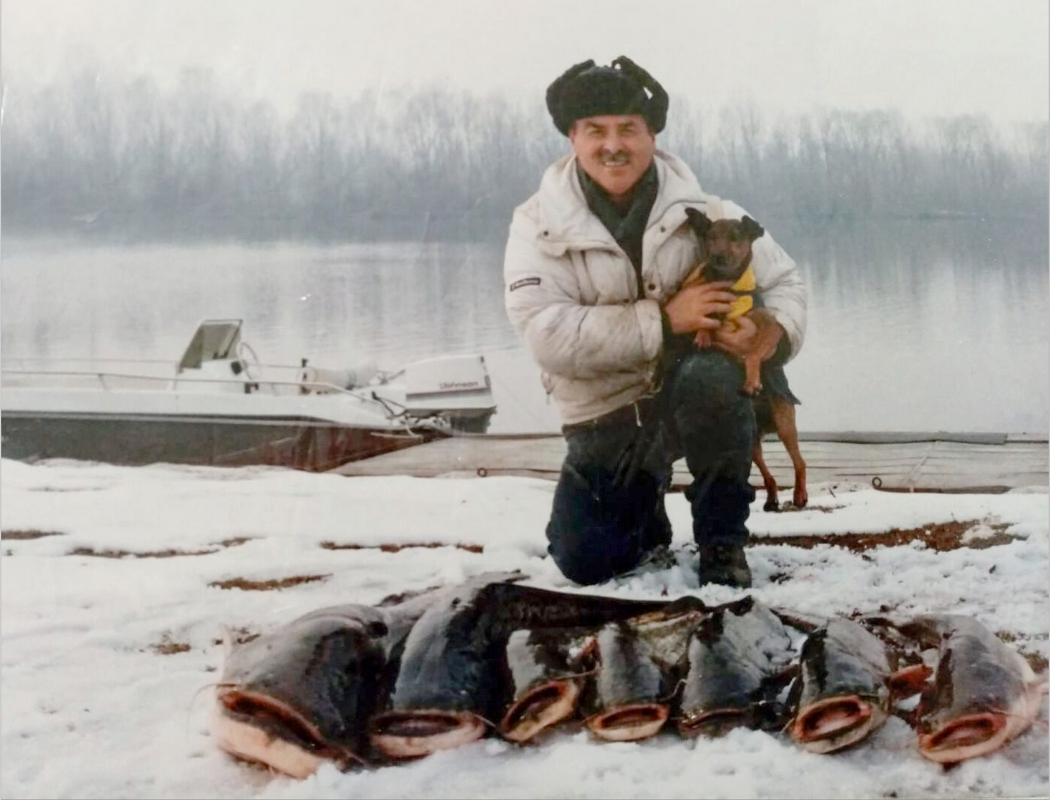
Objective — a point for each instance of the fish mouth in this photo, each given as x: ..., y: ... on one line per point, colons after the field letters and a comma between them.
x: 716, y: 722
x: 834, y: 723
x: 256, y: 727
x: 966, y: 737
x: 414, y: 734
x: 539, y: 708
x: 629, y: 723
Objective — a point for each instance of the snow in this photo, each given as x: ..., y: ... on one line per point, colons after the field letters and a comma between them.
x: 94, y: 704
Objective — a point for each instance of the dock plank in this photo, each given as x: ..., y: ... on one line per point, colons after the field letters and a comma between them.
x: 903, y: 462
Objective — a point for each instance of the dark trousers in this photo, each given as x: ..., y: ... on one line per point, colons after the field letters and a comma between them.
x: 608, y: 509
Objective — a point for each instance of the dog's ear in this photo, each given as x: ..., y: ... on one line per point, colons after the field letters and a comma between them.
x: 751, y: 229
x: 698, y: 221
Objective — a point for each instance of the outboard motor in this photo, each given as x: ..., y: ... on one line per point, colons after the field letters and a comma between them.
x: 456, y: 388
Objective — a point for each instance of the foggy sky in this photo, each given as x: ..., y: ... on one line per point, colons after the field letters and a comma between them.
x: 923, y: 57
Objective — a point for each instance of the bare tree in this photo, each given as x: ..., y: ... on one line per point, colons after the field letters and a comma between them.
x: 98, y: 154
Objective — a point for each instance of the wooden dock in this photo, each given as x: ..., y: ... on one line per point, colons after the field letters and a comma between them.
x: 916, y: 462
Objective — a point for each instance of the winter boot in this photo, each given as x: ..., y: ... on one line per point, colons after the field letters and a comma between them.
x: 724, y: 564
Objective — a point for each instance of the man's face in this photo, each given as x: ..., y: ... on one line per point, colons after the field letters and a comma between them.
x: 615, y: 150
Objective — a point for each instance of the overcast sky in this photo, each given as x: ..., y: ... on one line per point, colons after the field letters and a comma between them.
x: 923, y: 57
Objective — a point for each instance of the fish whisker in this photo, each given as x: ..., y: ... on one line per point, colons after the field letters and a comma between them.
x: 1042, y: 723
x: 205, y: 687
x: 674, y: 691
x: 493, y: 725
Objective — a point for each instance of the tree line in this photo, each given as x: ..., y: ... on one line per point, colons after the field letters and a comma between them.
x: 127, y: 158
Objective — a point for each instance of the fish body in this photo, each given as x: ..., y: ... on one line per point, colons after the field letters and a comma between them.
x: 736, y: 653
x: 982, y: 694
x: 841, y: 693
x: 449, y: 684
x: 301, y: 695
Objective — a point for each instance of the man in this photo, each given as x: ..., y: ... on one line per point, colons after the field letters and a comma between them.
x: 592, y: 272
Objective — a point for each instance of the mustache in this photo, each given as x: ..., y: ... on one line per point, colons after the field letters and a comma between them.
x: 618, y: 157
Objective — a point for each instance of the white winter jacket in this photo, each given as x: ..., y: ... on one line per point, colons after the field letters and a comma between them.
x: 572, y: 295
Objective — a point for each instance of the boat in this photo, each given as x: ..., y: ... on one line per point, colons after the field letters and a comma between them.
x: 218, y: 405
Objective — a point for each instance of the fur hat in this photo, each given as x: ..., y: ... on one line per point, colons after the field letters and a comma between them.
x: 586, y: 90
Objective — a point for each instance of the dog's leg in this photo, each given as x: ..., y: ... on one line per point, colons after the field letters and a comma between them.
x: 765, y: 335
x: 751, y: 358
x: 752, y: 374
x: 784, y: 423
x: 772, y: 503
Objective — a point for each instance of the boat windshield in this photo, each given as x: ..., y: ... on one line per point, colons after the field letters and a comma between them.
x: 214, y: 339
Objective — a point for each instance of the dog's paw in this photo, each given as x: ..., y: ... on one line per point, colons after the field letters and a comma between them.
x: 703, y: 339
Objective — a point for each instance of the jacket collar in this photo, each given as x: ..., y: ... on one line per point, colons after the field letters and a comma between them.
x: 566, y: 219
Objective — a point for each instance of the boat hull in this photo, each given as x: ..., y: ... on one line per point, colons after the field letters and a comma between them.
x: 220, y: 441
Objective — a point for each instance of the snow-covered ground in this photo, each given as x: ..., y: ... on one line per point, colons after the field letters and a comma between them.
x: 108, y: 662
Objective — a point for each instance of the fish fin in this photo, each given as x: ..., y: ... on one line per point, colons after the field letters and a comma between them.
x: 587, y: 658
x: 784, y: 676
x: 508, y: 576
x: 908, y: 681
x: 397, y: 599
x: 791, y: 702
x: 684, y: 604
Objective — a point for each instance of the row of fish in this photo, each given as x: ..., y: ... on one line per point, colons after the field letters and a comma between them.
x: 360, y: 684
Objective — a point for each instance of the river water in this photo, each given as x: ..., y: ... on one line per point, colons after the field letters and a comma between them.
x: 937, y: 326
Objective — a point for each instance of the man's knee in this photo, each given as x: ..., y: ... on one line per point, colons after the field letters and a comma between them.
x: 714, y: 420
x: 586, y: 551
x: 582, y: 568
x: 596, y: 527
x: 709, y: 379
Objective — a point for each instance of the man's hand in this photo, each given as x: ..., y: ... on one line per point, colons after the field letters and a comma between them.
x: 689, y: 311
x: 755, y: 335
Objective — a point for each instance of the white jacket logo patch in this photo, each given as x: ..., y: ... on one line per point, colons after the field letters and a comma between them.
x: 524, y: 282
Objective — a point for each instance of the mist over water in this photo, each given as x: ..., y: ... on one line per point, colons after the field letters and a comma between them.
x: 913, y: 326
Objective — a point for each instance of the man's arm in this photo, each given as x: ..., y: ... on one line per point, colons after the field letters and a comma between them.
x: 565, y: 336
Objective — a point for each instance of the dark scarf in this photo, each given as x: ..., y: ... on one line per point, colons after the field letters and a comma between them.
x: 627, y: 226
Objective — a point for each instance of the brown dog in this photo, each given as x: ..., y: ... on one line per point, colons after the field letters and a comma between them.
x: 726, y: 256
x: 726, y: 246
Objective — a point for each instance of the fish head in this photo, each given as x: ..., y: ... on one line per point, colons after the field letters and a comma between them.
x: 302, y: 694
x: 982, y: 694
x: 842, y: 693
x: 445, y: 689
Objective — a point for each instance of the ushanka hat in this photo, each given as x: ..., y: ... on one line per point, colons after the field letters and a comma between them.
x: 586, y: 90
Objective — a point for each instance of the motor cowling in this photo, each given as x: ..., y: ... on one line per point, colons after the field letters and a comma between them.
x: 456, y: 388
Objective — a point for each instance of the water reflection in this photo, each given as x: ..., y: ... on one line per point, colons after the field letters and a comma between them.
x: 934, y: 326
